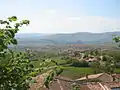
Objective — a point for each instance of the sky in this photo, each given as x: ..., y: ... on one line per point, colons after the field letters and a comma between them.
x: 64, y: 16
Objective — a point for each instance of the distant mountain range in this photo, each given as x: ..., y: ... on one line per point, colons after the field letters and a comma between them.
x: 74, y: 38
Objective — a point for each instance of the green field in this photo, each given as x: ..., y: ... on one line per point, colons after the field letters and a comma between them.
x: 117, y: 70
x: 73, y: 72
x: 77, y: 72
x: 37, y: 63
x: 68, y: 71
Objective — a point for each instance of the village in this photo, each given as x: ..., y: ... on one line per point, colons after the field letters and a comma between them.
x: 99, y: 81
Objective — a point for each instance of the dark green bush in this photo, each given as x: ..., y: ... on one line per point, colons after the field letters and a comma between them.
x: 77, y: 63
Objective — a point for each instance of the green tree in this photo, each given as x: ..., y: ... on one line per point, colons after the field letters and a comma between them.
x: 16, y: 69
x: 108, y: 64
x: 96, y: 66
x: 104, y: 63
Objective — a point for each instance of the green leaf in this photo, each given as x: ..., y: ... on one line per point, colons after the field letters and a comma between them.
x: 14, y: 41
x: 31, y: 66
x: 11, y: 32
x: 4, y: 22
x: 13, y: 18
x: 8, y: 27
x: 25, y: 22
x: 17, y: 25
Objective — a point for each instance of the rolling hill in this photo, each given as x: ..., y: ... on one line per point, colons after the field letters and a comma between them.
x: 74, y: 38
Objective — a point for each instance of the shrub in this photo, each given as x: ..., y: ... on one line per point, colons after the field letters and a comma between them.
x: 77, y: 63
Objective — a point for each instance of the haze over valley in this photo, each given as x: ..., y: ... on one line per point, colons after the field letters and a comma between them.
x: 70, y: 38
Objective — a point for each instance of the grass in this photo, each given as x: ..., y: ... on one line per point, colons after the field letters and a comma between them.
x: 58, y: 60
x: 70, y: 71
x: 117, y: 70
x: 76, y: 72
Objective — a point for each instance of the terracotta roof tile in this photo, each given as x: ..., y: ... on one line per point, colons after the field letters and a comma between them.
x: 101, y: 85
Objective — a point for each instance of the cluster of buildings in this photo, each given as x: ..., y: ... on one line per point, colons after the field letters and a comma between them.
x: 101, y: 81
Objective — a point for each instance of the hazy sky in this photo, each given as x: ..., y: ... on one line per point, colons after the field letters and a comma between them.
x: 64, y: 16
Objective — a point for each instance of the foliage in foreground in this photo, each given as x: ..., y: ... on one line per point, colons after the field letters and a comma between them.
x: 16, y: 69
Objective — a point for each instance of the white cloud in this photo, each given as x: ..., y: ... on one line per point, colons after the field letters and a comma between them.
x: 52, y: 21
x: 94, y: 23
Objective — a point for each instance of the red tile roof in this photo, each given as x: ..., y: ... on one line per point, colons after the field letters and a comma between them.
x: 100, y: 85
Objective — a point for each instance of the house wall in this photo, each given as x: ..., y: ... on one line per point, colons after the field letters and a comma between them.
x: 106, y: 78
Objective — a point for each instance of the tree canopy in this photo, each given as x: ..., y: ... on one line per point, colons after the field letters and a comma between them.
x: 16, y: 69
